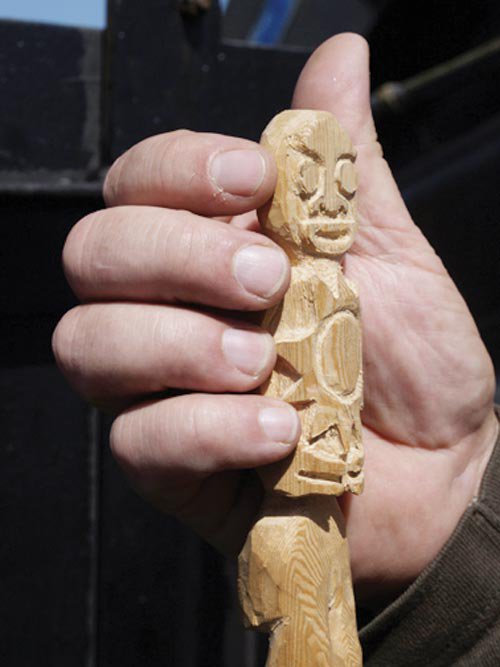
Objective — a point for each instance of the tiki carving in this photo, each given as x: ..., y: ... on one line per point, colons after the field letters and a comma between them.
x: 294, y: 569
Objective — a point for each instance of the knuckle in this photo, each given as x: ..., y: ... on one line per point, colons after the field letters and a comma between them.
x: 66, y: 342
x: 210, y: 428
x: 182, y: 162
x: 181, y: 132
x: 150, y: 163
x: 126, y: 448
x: 191, y: 248
x: 203, y: 430
x: 78, y: 249
x: 118, y: 442
x: 110, y: 189
x: 173, y: 144
x: 133, y: 440
x: 379, y: 150
x: 170, y: 158
x: 188, y: 244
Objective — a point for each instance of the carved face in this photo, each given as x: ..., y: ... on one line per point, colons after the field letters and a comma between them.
x: 313, y: 207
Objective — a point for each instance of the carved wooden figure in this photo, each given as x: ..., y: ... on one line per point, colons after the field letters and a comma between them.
x: 294, y: 579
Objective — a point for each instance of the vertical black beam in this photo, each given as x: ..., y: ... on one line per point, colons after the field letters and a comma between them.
x: 149, y: 67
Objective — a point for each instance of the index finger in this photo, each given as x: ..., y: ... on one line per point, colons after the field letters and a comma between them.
x: 208, y: 174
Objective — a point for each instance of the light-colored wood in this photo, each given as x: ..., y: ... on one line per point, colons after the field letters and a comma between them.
x: 294, y: 582
x: 294, y: 577
x: 316, y: 328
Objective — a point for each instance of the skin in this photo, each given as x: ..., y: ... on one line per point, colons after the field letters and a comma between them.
x: 154, y: 273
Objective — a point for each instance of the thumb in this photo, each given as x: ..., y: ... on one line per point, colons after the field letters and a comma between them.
x: 336, y: 78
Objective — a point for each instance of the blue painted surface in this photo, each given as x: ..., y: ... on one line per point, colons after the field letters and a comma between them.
x: 224, y: 4
x: 88, y: 13
x: 272, y: 22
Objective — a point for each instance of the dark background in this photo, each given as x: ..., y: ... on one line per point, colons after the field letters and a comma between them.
x: 90, y: 575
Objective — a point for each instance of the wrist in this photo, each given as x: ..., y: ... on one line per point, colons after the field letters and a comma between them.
x: 466, y: 470
x: 410, y: 534
x: 457, y: 557
x: 480, y: 446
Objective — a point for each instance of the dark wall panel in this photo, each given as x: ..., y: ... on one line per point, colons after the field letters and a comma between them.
x: 45, y: 548
x: 149, y: 580
x: 34, y: 229
x: 212, y: 86
x: 49, y: 87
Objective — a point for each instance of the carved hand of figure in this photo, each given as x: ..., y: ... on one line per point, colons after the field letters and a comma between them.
x: 167, y: 286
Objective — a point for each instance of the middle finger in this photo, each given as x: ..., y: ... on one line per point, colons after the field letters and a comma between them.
x: 151, y: 254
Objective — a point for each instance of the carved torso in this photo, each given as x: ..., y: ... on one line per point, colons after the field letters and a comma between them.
x: 318, y: 341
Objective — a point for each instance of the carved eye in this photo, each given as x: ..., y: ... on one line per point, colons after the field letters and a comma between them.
x: 308, y: 180
x: 346, y: 178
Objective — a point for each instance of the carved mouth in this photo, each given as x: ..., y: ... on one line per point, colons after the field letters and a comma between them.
x: 321, y: 469
x: 332, y: 226
x: 320, y: 479
x: 330, y: 231
x: 332, y: 234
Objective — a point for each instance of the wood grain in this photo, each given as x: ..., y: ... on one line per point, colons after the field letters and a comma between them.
x: 294, y: 569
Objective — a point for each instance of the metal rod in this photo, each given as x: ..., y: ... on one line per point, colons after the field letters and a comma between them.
x: 397, y: 96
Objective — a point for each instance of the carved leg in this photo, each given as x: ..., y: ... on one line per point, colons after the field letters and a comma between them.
x: 342, y: 610
x: 295, y: 583
x: 284, y: 641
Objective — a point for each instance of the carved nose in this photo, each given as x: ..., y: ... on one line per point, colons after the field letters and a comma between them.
x: 331, y: 204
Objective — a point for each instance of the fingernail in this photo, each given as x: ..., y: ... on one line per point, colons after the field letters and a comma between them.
x: 238, y: 172
x: 260, y: 270
x: 250, y: 352
x: 280, y: 424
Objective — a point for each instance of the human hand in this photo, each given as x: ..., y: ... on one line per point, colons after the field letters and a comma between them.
x: 168, y: 296
x: 429, y: 425
x: 140, y: 267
